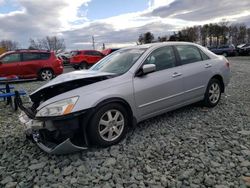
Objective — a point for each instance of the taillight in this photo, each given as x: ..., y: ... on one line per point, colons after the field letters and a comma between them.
x: 227, y: 64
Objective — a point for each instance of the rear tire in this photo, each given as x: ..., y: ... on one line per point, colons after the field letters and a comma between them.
x: 46, y: 74
x: 213, y: 93
x: 109, y: 125
x: 83, y: 65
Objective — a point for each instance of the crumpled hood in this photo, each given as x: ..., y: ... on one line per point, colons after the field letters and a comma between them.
x: 75, y: 75
x: 68, y: 81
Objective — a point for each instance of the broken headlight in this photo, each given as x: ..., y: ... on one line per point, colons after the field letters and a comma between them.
x: 58, y: 108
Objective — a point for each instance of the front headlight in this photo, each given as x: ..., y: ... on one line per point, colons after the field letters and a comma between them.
x: 58, y: 108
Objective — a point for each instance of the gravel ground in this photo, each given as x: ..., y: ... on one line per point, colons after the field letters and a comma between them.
x: 190, y: 147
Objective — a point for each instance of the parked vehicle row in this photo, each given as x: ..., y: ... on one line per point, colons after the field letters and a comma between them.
x: 231, y: 50
x: 45, y: 65
x: 96, y: 107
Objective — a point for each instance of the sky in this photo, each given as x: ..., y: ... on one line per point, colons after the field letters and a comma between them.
x: 116, y: 23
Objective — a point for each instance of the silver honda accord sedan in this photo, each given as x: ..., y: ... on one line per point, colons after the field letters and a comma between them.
x: 96, y: 107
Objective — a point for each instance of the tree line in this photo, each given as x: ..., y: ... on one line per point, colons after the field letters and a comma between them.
x: 213, y: 34
x: 207, y: 35
x: 51, y: 43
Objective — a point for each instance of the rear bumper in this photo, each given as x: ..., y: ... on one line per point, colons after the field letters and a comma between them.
x: 58, y: 70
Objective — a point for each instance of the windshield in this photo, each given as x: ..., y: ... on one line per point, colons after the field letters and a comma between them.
x: 120, y: 61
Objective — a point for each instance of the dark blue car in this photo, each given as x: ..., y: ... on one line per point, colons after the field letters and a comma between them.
x: 225, y: 50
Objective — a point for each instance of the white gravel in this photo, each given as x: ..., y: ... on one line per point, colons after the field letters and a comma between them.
x: 190, y: 147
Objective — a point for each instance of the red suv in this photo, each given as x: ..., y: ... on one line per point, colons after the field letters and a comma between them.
x: 82, y: 59
x: 30, y: 64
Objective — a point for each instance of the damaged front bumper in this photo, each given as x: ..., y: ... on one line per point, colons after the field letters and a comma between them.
x: 54, y: 136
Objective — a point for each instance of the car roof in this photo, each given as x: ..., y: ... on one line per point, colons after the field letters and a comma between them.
x: 159, y: 44
x: 24, y: 51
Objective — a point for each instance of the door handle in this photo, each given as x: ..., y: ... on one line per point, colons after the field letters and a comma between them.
x: 176, y: 74
x: 208, y: 65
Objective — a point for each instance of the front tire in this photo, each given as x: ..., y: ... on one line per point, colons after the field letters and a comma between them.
x: 46, y: 74
x: 109, y: 125
x: 213, y: 93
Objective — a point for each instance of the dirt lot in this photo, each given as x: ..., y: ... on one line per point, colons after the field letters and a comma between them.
x: 190, y: 147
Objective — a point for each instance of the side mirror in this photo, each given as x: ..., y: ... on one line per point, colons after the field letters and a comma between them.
x: 146, y: 69
x: 1, y: 62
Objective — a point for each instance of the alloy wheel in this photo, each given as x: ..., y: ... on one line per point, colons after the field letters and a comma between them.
x: 111, y: 125
x: 214, y: 93
x: 46, y: 75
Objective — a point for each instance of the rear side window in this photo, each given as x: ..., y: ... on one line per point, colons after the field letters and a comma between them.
x: 204, y: 56
x: 97, y: 53
x: 88, y: 53
x: 11, y: 58
x: 45, y: 56
x: 31, y: 56
x: 188, y: 54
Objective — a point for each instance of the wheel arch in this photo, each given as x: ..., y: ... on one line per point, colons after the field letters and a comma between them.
x: 122, y: 102
x: 103, y: 103
x: 220, y: 78
x: 45, y: 68
x: 84, y: 61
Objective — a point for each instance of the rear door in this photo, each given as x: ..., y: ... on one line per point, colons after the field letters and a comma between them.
x: 31, y: 64
x: 196, y: 68
x: 161, y: 89
x: 10, y: 65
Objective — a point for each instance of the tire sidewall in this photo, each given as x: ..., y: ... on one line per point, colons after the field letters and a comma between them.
x: 207, y: 101
x: 92, y: 129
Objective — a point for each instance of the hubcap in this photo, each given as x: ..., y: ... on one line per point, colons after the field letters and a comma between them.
x: 214, y: 93
x: 111, y: 125
x: 46, y: 75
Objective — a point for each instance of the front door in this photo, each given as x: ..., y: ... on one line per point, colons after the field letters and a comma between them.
x: 10, y: 64
x: 162, y: 89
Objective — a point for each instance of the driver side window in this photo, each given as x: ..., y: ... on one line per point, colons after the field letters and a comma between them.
x: 11, y: 58
x: 163, y: 58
